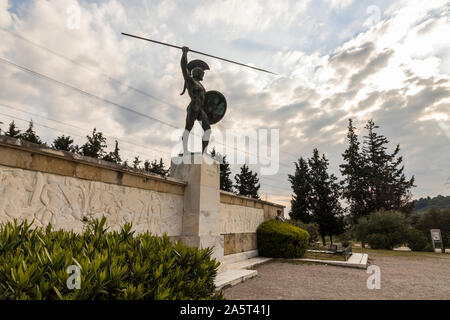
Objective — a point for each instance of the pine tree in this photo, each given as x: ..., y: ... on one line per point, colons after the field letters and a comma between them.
x: 114, y: 156
x: 324, y: 203
x: 247, y: 182
x: 13, y: 131
x: 300, y: 183
x: 64, y: 143
x: 354, y: 184
x: 388, y: 188
x: 225, y: 182
x: 30, y: 135
x: 95, y: 146
x: 156, y: 167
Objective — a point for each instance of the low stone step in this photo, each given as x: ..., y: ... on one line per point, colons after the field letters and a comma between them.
x: 247, y: 264
x: 356, y: 260
x: 230, y: 278
x: 242, y: 256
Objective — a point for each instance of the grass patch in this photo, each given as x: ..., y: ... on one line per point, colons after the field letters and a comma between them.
x: 323, y: 256
x: 394, y: 253
x: 292, y: 261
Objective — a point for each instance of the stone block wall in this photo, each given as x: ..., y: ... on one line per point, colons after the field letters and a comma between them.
x: 61, y: 188
x: 240, y: 217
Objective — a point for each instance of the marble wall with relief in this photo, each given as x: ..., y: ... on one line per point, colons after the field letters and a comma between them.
x: 239, y: 219
x: 64, y: 201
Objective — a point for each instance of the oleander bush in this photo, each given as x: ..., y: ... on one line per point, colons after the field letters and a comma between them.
x: 278, y: 239
x: 34, y: 264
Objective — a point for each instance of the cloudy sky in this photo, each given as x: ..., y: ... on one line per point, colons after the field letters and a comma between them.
x: 383, y: 60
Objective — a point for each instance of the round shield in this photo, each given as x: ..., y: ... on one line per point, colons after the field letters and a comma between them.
x: 215, y: 106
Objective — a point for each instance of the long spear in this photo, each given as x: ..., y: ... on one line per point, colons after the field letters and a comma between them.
x: 202, y: 53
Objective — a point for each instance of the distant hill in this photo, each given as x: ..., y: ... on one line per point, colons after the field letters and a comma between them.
x: 424, y: 204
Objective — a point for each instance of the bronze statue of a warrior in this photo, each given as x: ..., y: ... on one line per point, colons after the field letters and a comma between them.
x: 192, y: 75
x: 208, y: 107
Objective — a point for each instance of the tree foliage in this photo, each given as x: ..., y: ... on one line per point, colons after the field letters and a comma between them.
x: 64, y: 143
x: 383, y: 229
x: 324, y: 203
x: 425, y: 204
x: 225, y: 172
x: 316, y: 196
x: 114, y: 156
x: 157, y: 167
x: 12, y: 131
x: 388, y: 188
x: 374, y: 179
x: 353, y: 172
x: 137, y: 162
x: 95, y: 145
x: 30, y: 134
x: 435, y: 219
x: 302, y: 191
x: 247, y: 182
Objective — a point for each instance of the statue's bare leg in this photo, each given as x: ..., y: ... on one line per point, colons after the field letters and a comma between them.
x: 190, y: 120
x: 206, y: 130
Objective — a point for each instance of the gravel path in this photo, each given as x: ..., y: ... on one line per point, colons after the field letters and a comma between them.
x: 402, y: 277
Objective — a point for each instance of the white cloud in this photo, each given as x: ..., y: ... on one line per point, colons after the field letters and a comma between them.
x: 338, y: 4
x: 5, y: 17
x: 396, y: 72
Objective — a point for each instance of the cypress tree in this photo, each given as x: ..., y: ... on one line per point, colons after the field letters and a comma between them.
x: 326, y: 210
x: 354, y: 184
x: 301, y: 187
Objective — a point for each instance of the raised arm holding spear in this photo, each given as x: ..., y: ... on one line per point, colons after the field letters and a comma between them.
x: 206, y: 107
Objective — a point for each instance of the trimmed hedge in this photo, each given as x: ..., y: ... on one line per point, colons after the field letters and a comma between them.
x: 113, y: 265
x: 278, y: 239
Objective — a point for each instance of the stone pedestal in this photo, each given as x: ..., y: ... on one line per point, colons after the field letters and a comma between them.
x: 201, y: 214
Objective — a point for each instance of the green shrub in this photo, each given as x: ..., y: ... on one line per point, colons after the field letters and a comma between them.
x: 383, y: 229
x: 435, y: 219
x: 113, y: 265
x: 362, y: 230
x: 346, y: 243
x: 347, y: 237
x: 278, y: 239
x: 417, y: 241
x: 311, y: 228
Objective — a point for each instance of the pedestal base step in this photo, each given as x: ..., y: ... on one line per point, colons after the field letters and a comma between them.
x: 237, y: 272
